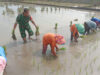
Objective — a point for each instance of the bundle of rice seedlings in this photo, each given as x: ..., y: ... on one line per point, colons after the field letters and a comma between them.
x: 82, y: 36
x: 13, y: 35
x: 63, y: 48
x: 37, y: 31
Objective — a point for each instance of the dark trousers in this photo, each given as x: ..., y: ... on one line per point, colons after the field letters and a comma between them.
x: 87, y: 29
x: 76, y: 35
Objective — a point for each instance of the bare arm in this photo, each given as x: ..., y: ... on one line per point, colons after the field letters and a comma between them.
x: 34, y: 23
x: 13, y: 31
x: 15, y: 26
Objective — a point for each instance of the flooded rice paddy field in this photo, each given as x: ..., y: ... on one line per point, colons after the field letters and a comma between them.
x: 82, y: 58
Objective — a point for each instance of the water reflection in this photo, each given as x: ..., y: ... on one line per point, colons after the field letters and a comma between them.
x: 9, y: 11
x: 42, y: 9
x: 85, y: 53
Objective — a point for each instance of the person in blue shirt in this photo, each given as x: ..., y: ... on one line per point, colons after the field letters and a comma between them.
x: 97, y: 21
x: 90, y: 25
x: 2, y: 53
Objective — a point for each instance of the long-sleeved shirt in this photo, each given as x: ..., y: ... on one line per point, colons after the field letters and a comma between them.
x: 49, y: 38
x: 74, y: 30
x: 91, y: 24
x: 97, y: 21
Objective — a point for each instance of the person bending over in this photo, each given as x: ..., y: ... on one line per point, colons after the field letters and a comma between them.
x: 52, y: 40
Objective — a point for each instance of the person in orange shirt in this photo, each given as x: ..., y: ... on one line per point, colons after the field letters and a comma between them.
x: 74, y: 32
x: 52, y: 40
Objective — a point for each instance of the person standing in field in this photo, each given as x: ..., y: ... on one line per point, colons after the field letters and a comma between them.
x: 23, y: 21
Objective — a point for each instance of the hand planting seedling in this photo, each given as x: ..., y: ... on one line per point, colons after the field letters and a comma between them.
x: 82, y: 36
x: 13, y: 35
x: 37, y: 31
x: 56, y: 25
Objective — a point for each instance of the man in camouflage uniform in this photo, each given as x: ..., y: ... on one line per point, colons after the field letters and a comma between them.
x: 23, y: 21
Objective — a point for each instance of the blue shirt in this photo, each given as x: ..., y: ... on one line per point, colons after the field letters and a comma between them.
x: 95, y: 19
x: 2, y: 53
x: 91, y: 24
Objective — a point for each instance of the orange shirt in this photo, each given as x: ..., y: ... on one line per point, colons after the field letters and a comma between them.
x: 49, y: 38
x: 74, y: 30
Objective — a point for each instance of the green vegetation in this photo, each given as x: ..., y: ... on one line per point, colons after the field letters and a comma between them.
x: 63, y: 48
x: 56, y: 25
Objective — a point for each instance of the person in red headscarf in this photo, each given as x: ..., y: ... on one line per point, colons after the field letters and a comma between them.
x: 52, y: 40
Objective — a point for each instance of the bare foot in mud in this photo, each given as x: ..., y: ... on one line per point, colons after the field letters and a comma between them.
x: 57, y: 49
x: 31, y: 39
x: 76, y: 41
x: 25, y: 41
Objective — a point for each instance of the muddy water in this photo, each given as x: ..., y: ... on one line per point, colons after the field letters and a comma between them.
x: 80, y: 58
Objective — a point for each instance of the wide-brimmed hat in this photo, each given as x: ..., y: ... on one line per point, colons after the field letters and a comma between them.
x: 2, y: 63
x: 60, y: 39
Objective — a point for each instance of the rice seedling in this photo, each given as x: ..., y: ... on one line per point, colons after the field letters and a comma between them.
x: 91, y: 70
x: 81, y: 59
x: 71, y: 63
x: 86, y: 67
x: 34, y: 62
x: 57, y: 73
x: 86, y: 73
x: 5, y: 49
x: 80, y: 71
x: 56, y: 26
x: 42, y: 9
x: 74, y: 73
x: 38, y: 67
x: 82, y: 36
x: 66, y: 60
x: 45, y: 73
x: 53, y: 70
x: 99, y: 68
x: 59, y: 67
x: 63, y: 48
x: 85, y: 54
x: 94, y: 60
